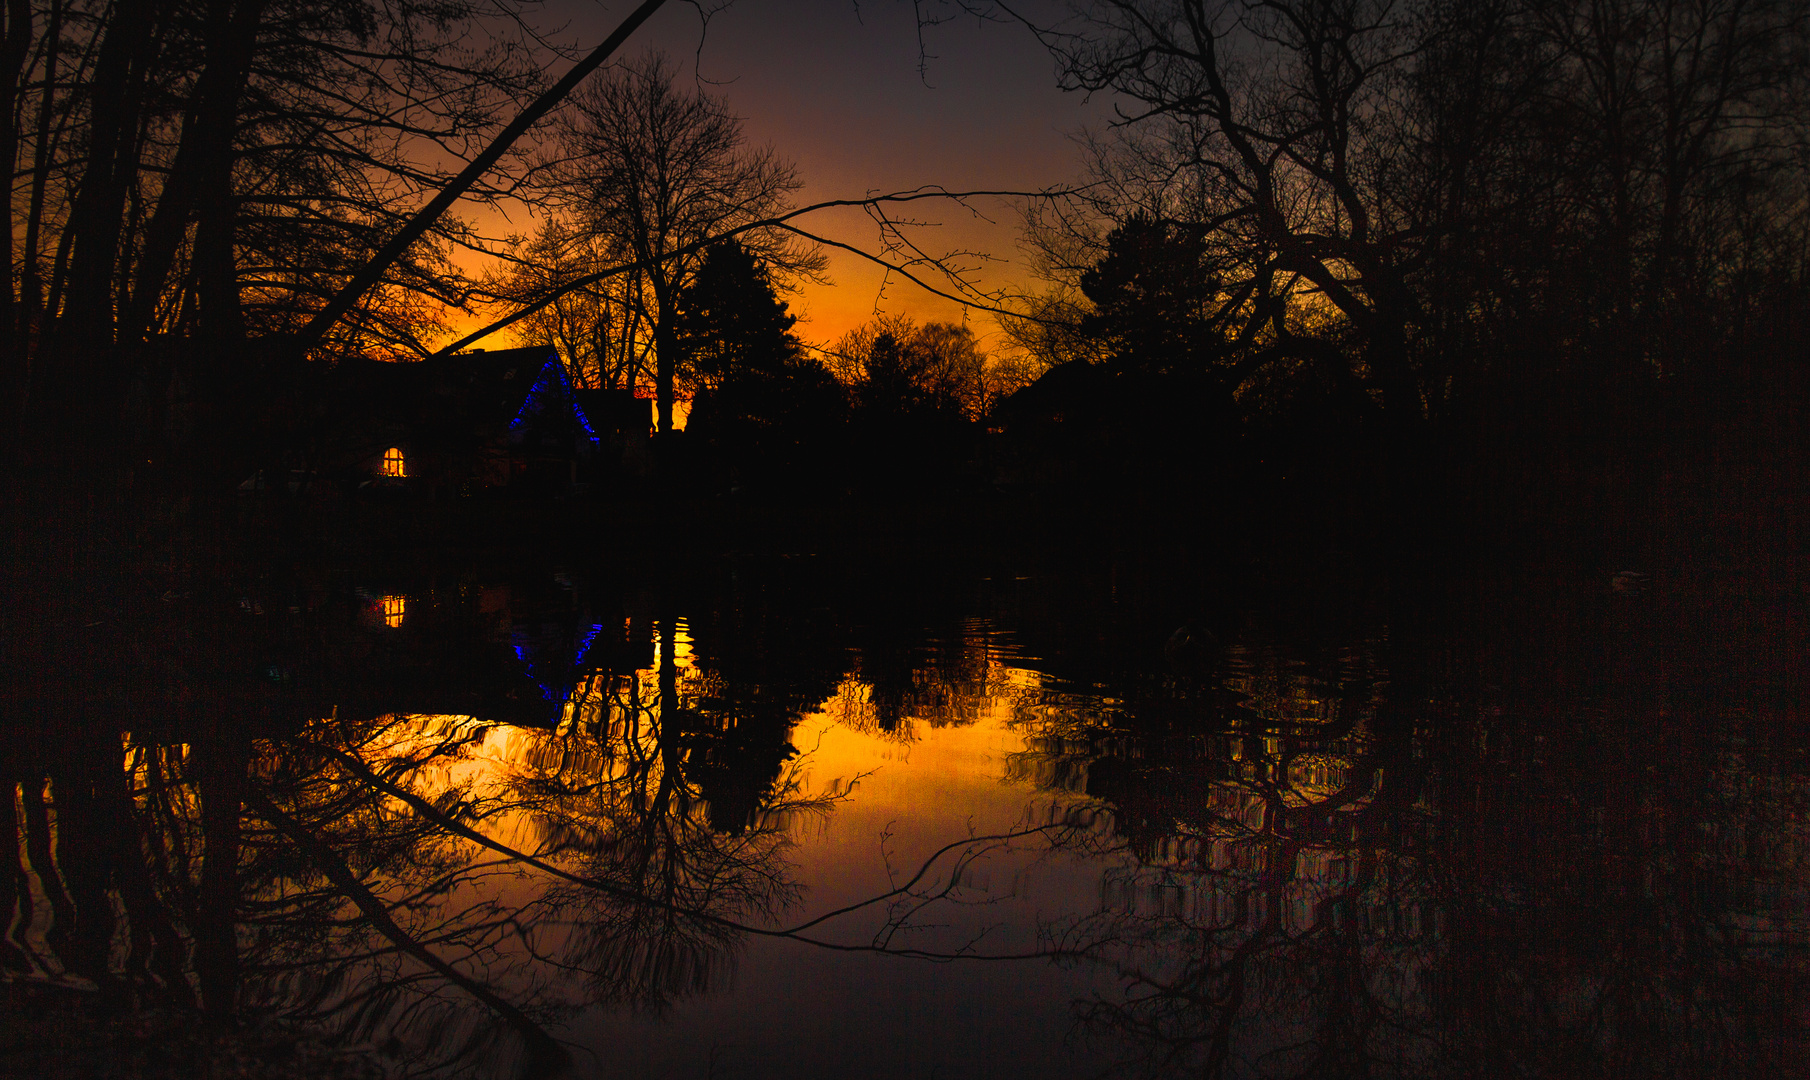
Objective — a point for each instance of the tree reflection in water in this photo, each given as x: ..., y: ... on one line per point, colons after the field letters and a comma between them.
x: 1373, y: 865
x: 1311, y: 859
x: 1278, y: 918
x: 668, y: 808
x: 389, y: 874
x: 437, y: 886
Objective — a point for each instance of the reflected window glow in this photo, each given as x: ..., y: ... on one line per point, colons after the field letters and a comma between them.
x: 393, y: 609
x: 393, y: 464
x: 681, y: 649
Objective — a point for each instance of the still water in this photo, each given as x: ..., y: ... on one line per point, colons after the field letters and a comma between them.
x: 796, y: 818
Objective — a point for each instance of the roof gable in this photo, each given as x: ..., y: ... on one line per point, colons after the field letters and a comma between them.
x: 506, y: 390
x: 551, y: 393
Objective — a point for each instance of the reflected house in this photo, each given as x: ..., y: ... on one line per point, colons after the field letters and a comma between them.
x: 500, y: 654
x: 269, y: 661
x: 459, y: 424
x: 264, y: 661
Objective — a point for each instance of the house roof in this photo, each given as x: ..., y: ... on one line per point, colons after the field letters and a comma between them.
x: 495, y: 391
x: 489, y: 386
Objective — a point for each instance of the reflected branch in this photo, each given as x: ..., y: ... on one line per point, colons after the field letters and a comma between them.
x: 546, y: 1056
x: 796, y: 933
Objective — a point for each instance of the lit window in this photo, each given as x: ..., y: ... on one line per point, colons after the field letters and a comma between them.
x: 392, y: 462
x: 393, y: 607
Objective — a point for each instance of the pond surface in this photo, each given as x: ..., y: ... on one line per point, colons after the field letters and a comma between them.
x: 804, y: 817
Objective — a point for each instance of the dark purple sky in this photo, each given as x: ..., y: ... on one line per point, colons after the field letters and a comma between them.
x: 834, y: 85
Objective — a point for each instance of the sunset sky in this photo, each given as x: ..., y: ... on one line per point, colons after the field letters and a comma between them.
x: 835, y: 86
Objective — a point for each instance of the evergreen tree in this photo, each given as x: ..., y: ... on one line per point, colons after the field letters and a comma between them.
x: 731, y: 325
x: 1153, y: 294
x: 750, y: 378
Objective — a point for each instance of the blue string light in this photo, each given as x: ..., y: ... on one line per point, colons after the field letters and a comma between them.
x: 553, y: 369
x: 578, y: 658
x: 584, y: 647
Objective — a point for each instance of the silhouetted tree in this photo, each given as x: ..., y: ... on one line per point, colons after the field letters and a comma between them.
x: 1405, y: 195
x: 594, y: 326
x: 1153, y: 297
x: 755, y: 391
x: 209, y: 172
x: 894, y: 366
x: 653, y: 173
x: 1280, y: 120
x: 729, y: 322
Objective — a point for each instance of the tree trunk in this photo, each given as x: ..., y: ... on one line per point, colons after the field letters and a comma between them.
x: 15, y: 890
x: 666, y: 354
x: 83, y: 381
x: 30, y: 321
x: 220, y: 776
x: 13, y: 49
x: 84, y: 859
x: 204, y: 156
